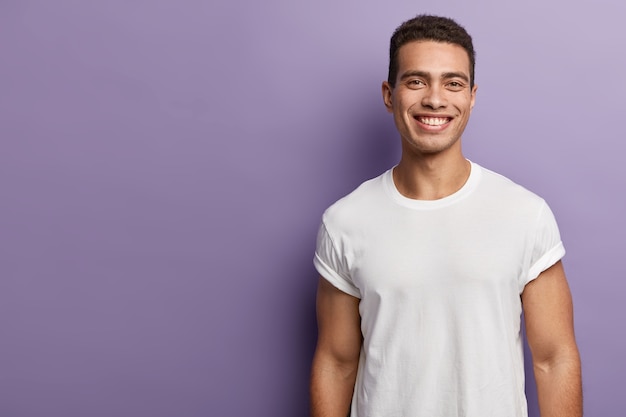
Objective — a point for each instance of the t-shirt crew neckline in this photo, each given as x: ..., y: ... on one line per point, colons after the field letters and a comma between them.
x: 464, y: 191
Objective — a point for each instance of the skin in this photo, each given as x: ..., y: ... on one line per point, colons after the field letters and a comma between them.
x: 336, y: 356
x: 433, y: 82
x: 549, y: 318
x: 433, y: 86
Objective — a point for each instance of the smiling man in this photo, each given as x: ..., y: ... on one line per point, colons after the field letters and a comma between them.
x: 426, y: 269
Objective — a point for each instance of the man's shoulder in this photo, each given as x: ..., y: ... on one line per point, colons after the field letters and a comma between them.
x: 503, y: 187
x: 353, y: 206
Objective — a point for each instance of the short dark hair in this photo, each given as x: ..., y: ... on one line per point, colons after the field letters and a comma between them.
x: 429, y: 28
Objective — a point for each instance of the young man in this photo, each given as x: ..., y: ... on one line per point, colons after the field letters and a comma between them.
x: 426, y: 269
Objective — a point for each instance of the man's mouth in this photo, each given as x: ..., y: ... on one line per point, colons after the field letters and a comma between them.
x: 433, y: 121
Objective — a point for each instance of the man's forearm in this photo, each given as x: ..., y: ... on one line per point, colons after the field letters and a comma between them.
x: 559, y: 388
x: 332, y: 386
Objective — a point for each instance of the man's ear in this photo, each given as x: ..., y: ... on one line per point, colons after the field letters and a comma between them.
x: 387, y: 91
x: 473, y: 96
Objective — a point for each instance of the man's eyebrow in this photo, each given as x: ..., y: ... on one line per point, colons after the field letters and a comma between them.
x: 427, y: 75
x: 448, y: 75
x: 410, y: 74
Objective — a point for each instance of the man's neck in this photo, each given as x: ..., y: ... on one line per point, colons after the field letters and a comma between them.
x: 431, y: 177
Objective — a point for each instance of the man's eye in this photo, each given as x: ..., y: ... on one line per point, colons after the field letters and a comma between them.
x: 415, y: 83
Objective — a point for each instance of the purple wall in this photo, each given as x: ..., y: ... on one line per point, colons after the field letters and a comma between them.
x: 164, y: 166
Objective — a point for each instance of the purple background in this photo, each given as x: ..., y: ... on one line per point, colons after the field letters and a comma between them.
x: 164, y: 166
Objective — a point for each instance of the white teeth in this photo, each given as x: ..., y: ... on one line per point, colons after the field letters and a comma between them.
x: 433, y: 121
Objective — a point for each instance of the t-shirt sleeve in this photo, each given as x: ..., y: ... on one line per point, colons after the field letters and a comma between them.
x: 332, y: 265
x: 547, y: 248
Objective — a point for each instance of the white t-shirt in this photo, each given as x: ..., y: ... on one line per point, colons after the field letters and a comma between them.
x: 439, y: 284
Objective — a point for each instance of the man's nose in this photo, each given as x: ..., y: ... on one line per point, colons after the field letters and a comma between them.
x: 434, y: 98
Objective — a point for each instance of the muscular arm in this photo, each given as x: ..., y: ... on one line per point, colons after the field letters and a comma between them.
x: 337, y: 353
x: 548, y: 315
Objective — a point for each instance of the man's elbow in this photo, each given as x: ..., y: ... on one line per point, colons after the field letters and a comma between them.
x: 565, y: 357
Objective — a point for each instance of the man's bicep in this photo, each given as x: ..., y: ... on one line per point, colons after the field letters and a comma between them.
x: 339, y: 323
x: 548, y: 314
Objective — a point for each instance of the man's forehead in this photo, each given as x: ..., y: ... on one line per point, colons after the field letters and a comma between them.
x: 427, y: 53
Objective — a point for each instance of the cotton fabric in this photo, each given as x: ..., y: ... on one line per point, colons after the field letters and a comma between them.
x: 439, y: 284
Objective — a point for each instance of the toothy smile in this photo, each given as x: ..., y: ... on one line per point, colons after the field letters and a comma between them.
x: 433, y: 121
